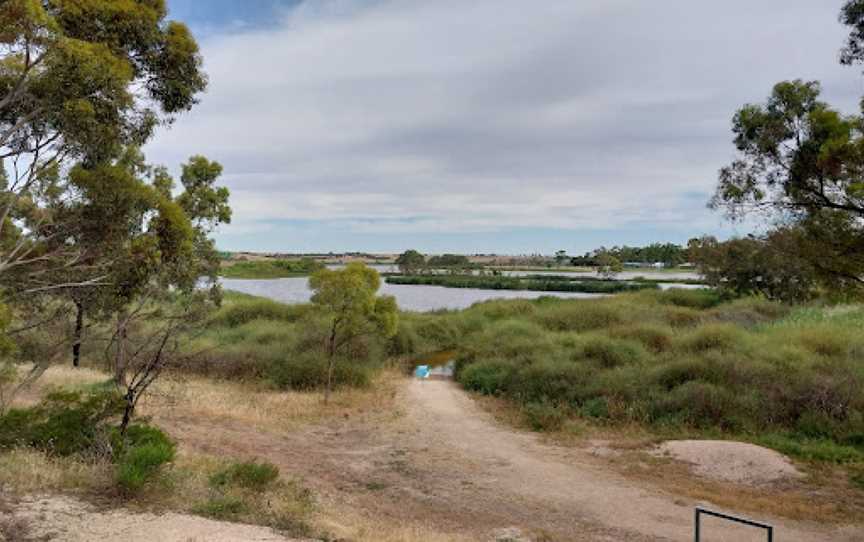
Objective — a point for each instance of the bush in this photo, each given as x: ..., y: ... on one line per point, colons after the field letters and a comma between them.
x: 488, y: 377
x: 713, y: 337
x: 701, y: 298
x: 246, y: 310
x: 308, y: 371
x: 696, y: 403
x: 559, y: 382
x: 613, y: 352
x: 544, y: 416
x: 248, y: 474
x: 682, y: 317
x: 63, y: 424
x: 140, y: 454
x: 579, y: 316
x: 657, y: 339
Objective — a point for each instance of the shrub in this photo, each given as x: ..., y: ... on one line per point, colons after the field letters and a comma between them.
x: 246, y: 310
x: 701, y: 298
x: 657, y: 339
x: 696, y: 403
x: 247, y: 474
x: 682, y: 316
x: 580, y: 316
x: 610, y: 352
x: 544, y: 416
x: 555, y: 381
x: 489, y: 377
x: 64, y: 423
x: 140, y: 454
x: 308, y: 371
x: 595, y: 408
x: 713, y: 337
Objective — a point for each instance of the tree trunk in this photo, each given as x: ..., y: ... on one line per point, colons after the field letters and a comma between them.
x: 79, y: 327
x: 331, y: 360
x: 120, y: 357
x: 128, y: 411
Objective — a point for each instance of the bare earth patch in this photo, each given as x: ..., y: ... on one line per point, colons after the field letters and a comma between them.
x: 71, y: 520
x: 729, y: 461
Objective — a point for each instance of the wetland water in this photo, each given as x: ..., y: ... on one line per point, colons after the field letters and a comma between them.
x: 411, y: 297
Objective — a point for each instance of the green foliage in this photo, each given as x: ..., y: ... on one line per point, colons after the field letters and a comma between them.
x: 536, y: 283
x: 270, y: 269
x: 63, y: 424
x: 139, y: 455
x: 410, y: 262
x: 347, y: 300
x: 610, y: 352
x: 801, y: 159
x: 746, y: 366
x: 250, y: 309
x: 543, y: 416
x: 246, y: 474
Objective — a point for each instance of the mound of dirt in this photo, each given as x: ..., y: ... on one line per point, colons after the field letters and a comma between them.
x: 728, y: 461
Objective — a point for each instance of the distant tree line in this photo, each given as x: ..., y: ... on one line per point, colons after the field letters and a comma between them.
x: 669, y: 254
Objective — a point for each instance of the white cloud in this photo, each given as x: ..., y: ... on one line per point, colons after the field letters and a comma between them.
x: 494, y: 114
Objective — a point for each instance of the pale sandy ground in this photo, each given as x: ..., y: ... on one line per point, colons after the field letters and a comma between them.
x: 737, y: 462
x: 69, y: 520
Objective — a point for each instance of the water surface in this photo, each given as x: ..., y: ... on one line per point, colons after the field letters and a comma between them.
x: 409, y: 297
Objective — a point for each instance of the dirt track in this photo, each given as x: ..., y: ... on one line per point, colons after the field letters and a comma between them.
x: 448, y: 464
x: 516, y: 464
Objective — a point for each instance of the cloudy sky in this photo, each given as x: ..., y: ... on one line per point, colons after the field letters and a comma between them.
x: 502, y: 126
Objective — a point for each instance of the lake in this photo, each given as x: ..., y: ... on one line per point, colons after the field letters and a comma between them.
x: 411, y: 297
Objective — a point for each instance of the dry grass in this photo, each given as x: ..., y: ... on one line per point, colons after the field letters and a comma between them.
x: 348, y: 525
x: 252, y: 404
x: 27, y: 471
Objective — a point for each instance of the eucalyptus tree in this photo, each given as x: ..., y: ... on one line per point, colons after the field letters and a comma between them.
x: 79, y: 82
x: 348, y: 299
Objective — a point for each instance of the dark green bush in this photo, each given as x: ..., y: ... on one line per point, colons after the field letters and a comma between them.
x: 64, y: 423
x: 655, y: 338
x: 308, y: 371
x: 487, y: 377
x: 580, y: 316
x: 246, y: 310
x: 140, y: 454
x: 247, y: 474
x: 610, y: 352
x: 544, y: 416
x: 713, y: 337
x: 554, y: 381
x: 701, y: 298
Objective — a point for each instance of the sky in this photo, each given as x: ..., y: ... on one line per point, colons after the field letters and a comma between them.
x: 486, y: 126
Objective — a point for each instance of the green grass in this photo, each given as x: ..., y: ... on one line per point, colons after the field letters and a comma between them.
x: 269, y: 269
x: 537, y: 283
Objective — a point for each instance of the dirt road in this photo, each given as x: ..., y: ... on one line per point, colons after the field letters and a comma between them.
x: 443, y: 463
x: 601, y: 504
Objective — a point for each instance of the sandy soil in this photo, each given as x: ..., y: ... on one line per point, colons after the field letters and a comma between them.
x: 448, y: 464
x: 737, y: 462
x: 70, y: 520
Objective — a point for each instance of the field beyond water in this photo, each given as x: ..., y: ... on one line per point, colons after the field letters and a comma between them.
x: 537, y: 283
x: 268, y: 268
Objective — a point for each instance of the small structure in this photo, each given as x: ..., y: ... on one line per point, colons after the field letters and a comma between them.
x: 422, y: 371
